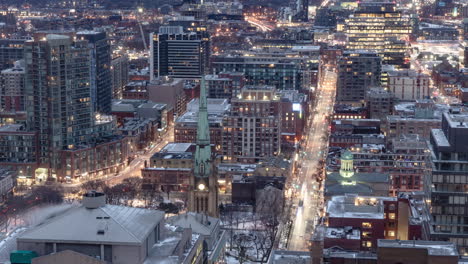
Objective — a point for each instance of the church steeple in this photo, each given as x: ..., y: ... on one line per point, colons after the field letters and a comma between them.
x: 203, y: 129
x: 203, y: 195
x: 203, y: 150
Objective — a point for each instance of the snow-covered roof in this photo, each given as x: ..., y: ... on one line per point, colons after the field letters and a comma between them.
x: 440, y: 138
x: 200, y: 224
x: 287, y: 257
x: 119, y: 225
x: 353, y: 206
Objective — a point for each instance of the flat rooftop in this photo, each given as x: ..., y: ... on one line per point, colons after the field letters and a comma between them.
x: 458, y: 120
x: 174, y: 147
x: 339, y: 233
x: 434, y: 248
x: 288, y: 257
x: 353, y: 206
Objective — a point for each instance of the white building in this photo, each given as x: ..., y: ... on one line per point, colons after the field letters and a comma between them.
x: 409, y: 85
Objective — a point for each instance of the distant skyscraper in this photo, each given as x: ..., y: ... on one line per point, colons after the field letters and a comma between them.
x: 57, y: 91
x: 302, y: 11
x: 119, y: 75
x: 100, y: 75
x: 178, y: 54
x: 203, y: 195
x: 358, y: 71
x: 380, y: 27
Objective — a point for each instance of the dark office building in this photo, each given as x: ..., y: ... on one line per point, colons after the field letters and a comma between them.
x: 325, y: 18
x: 302, y: 11
x: 358, y: 71
x: 100, y: 70
x: 178, y: 53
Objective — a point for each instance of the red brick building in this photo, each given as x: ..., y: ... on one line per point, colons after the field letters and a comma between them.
x: 375, y: 218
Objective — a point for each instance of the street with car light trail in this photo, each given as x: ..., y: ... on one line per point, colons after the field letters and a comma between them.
x: 308, y: 200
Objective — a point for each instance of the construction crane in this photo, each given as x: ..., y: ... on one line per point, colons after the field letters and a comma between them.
x: 140, y: 11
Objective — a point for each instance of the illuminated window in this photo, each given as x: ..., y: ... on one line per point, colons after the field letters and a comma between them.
x: 391, y: 233
x: 366, y: 225
x: 391, y: 215
x: 367, y: 244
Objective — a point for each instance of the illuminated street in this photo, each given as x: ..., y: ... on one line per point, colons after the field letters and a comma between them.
x: 308, y: 199
x: 138, y: 163
x: 134, y: 169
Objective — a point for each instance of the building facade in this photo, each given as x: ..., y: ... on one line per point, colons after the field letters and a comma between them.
x: 12, y: 88
x: 60, y: 109
x: 252, y: 131
x: 178, y: 54
x: 100, y: 70
x: 409, y: 85
x: 358, y: 71
x: 448, y: 193
x: 382, y: 28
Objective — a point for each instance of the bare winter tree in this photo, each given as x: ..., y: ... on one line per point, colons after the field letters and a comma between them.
x: 46, y: 194
x: 269, y: 208
x: 242, y: 242
x: 96, y: 185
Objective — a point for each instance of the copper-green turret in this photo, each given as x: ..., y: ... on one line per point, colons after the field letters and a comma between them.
x: 202, y: 166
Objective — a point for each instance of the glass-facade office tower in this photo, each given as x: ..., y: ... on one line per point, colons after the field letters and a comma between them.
x: 380, y: 27
x: 179, y: 54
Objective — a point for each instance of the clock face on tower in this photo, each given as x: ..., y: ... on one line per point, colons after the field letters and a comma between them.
x: 201, y: 185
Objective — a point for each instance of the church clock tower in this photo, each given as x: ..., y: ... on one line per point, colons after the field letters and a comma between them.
x: 203, y: 194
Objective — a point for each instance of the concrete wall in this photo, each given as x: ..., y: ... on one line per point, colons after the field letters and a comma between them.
x: 68, y: 257
x: 128, y: 254
x: 39, y: 248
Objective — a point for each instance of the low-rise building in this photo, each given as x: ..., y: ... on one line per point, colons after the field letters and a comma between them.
x: 107, y: 155
x: 139, y: 133
x: 209, y: 230
x: 170, y: 168
x: 371, y: 218
x: 396, y: 126
x: 348, y: 180
x: 416, y: 252
x: 287, y: 257
x: 115, y: 234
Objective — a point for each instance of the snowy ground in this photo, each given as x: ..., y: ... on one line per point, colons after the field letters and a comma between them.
x: 253, y: 232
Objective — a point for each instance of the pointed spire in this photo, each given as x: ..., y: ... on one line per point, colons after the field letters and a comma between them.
x: 203, y: 129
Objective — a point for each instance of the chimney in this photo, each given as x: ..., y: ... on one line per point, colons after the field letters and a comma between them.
x: 93, y: 200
